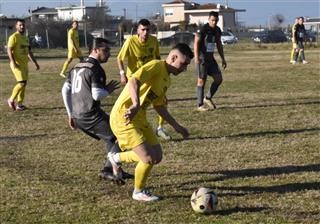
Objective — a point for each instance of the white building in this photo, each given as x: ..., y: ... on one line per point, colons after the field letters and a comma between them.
x: 180, y: 11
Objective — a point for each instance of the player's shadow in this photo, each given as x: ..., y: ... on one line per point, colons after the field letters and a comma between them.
x: 222, y: 175
x: 267, y: 171
x: 225, y: 212
x: 20, y: 137
x: 252, y: 134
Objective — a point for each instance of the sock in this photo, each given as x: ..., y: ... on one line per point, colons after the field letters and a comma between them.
x: 296, y: 56
x: 161, y: 122
x: 128, y: 157
x: 16, y: 91
x: 302, y: 56
x: 213, y: 89
x: 65, y: 66
x: 292, y: 54
x: 141, y: 174
x: 200, y: 95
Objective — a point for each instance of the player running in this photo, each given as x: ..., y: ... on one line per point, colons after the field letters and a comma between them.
x: 74, y: 50
x: 82, y: 91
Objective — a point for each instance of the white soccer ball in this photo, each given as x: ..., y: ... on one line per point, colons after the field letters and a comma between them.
x: 204, y: 200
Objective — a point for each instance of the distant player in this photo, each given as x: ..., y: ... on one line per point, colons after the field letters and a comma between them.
x: 19, y: 52
x: 140, y: 49
x: 205, y: 41
x: 147, y: 86
x: 293, y: 39
x: 74, y: 50
x: 82, y: 91
x: 300, y: 36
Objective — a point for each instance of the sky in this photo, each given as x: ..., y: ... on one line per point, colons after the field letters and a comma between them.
x: 258, y: 12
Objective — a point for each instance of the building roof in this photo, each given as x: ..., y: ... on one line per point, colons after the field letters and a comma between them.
x: 44, y: 10
x: 178, y: 2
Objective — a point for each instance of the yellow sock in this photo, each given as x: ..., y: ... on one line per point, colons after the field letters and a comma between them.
x: 16, y: 91
x: 20, y: 96
x: 161, y: 121
x: 129, y: 157
x: 65, y: 66
x: 292, y: 54
x: 141, y: 174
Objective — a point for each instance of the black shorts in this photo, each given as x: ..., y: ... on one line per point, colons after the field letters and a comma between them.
x: 206, y: 68
x: 99, y: 130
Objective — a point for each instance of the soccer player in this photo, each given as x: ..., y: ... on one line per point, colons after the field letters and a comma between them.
x: 82, y: 91
x: 74, y: 50
x: 148, y: 85
x: 294, y: 45
x: 19, y: 51
x: 300, y: 35
x: 138, y: 50
x: 205, y: 41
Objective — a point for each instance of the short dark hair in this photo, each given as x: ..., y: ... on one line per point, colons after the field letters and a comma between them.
x: 20, y: 20
x: 144, y: 22
x: 184, y: 49
x: 214, y: 14
x: 97, y: 43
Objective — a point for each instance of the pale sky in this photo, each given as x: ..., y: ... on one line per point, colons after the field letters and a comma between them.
x: 258, y: 12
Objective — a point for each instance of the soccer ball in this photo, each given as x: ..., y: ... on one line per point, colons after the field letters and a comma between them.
x: 204, y: 200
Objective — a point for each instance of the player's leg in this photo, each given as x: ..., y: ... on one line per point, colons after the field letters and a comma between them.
x: 20, y: 96
x: 146, y: 156
x: 65, y: 67
x: 146, y: 151
x: 201, y: 70
x: 21, y: 76
x: 301, y: 53
x: 292, y: 53
x: 217, y: 80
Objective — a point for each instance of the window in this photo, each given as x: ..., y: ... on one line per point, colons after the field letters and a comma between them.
x: 168, y: 12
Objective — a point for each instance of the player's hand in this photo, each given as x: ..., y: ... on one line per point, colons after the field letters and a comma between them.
x: 112, y: 86
x: 224, y: 64
x: 197, y: 60
x: 182, y: 130
x: 130, y: 113
x: 123, y: 79
x: 37, y: 66
x: 72, y: 124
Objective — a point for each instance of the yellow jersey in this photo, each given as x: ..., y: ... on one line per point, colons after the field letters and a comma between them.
x: 73, y: 39
x: 20, y: 46
x: 154, y: 81
x: 139, y: 53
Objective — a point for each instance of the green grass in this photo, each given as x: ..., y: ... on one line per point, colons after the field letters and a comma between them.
x: 259, y: 150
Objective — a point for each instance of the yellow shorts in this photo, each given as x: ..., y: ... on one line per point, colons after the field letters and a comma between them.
x: 133, y: 134
x: 20, y: 73
x: 73, y: 54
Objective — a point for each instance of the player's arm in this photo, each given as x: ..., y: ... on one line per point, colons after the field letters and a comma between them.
x: 120, y: 61
x: 11, y: 57
x: 66, y: 95
x: 220, y: 50
x: 32, y: 58
x: 134, y: 91
x: 196, y: 46
x: 164, y: 113
x: 11, y: 44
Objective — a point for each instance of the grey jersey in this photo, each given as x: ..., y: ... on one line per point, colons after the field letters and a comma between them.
x: 83, y: 77
x: 208, y: 39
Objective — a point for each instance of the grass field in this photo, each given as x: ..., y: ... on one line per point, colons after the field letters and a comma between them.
x: 259, y: 150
